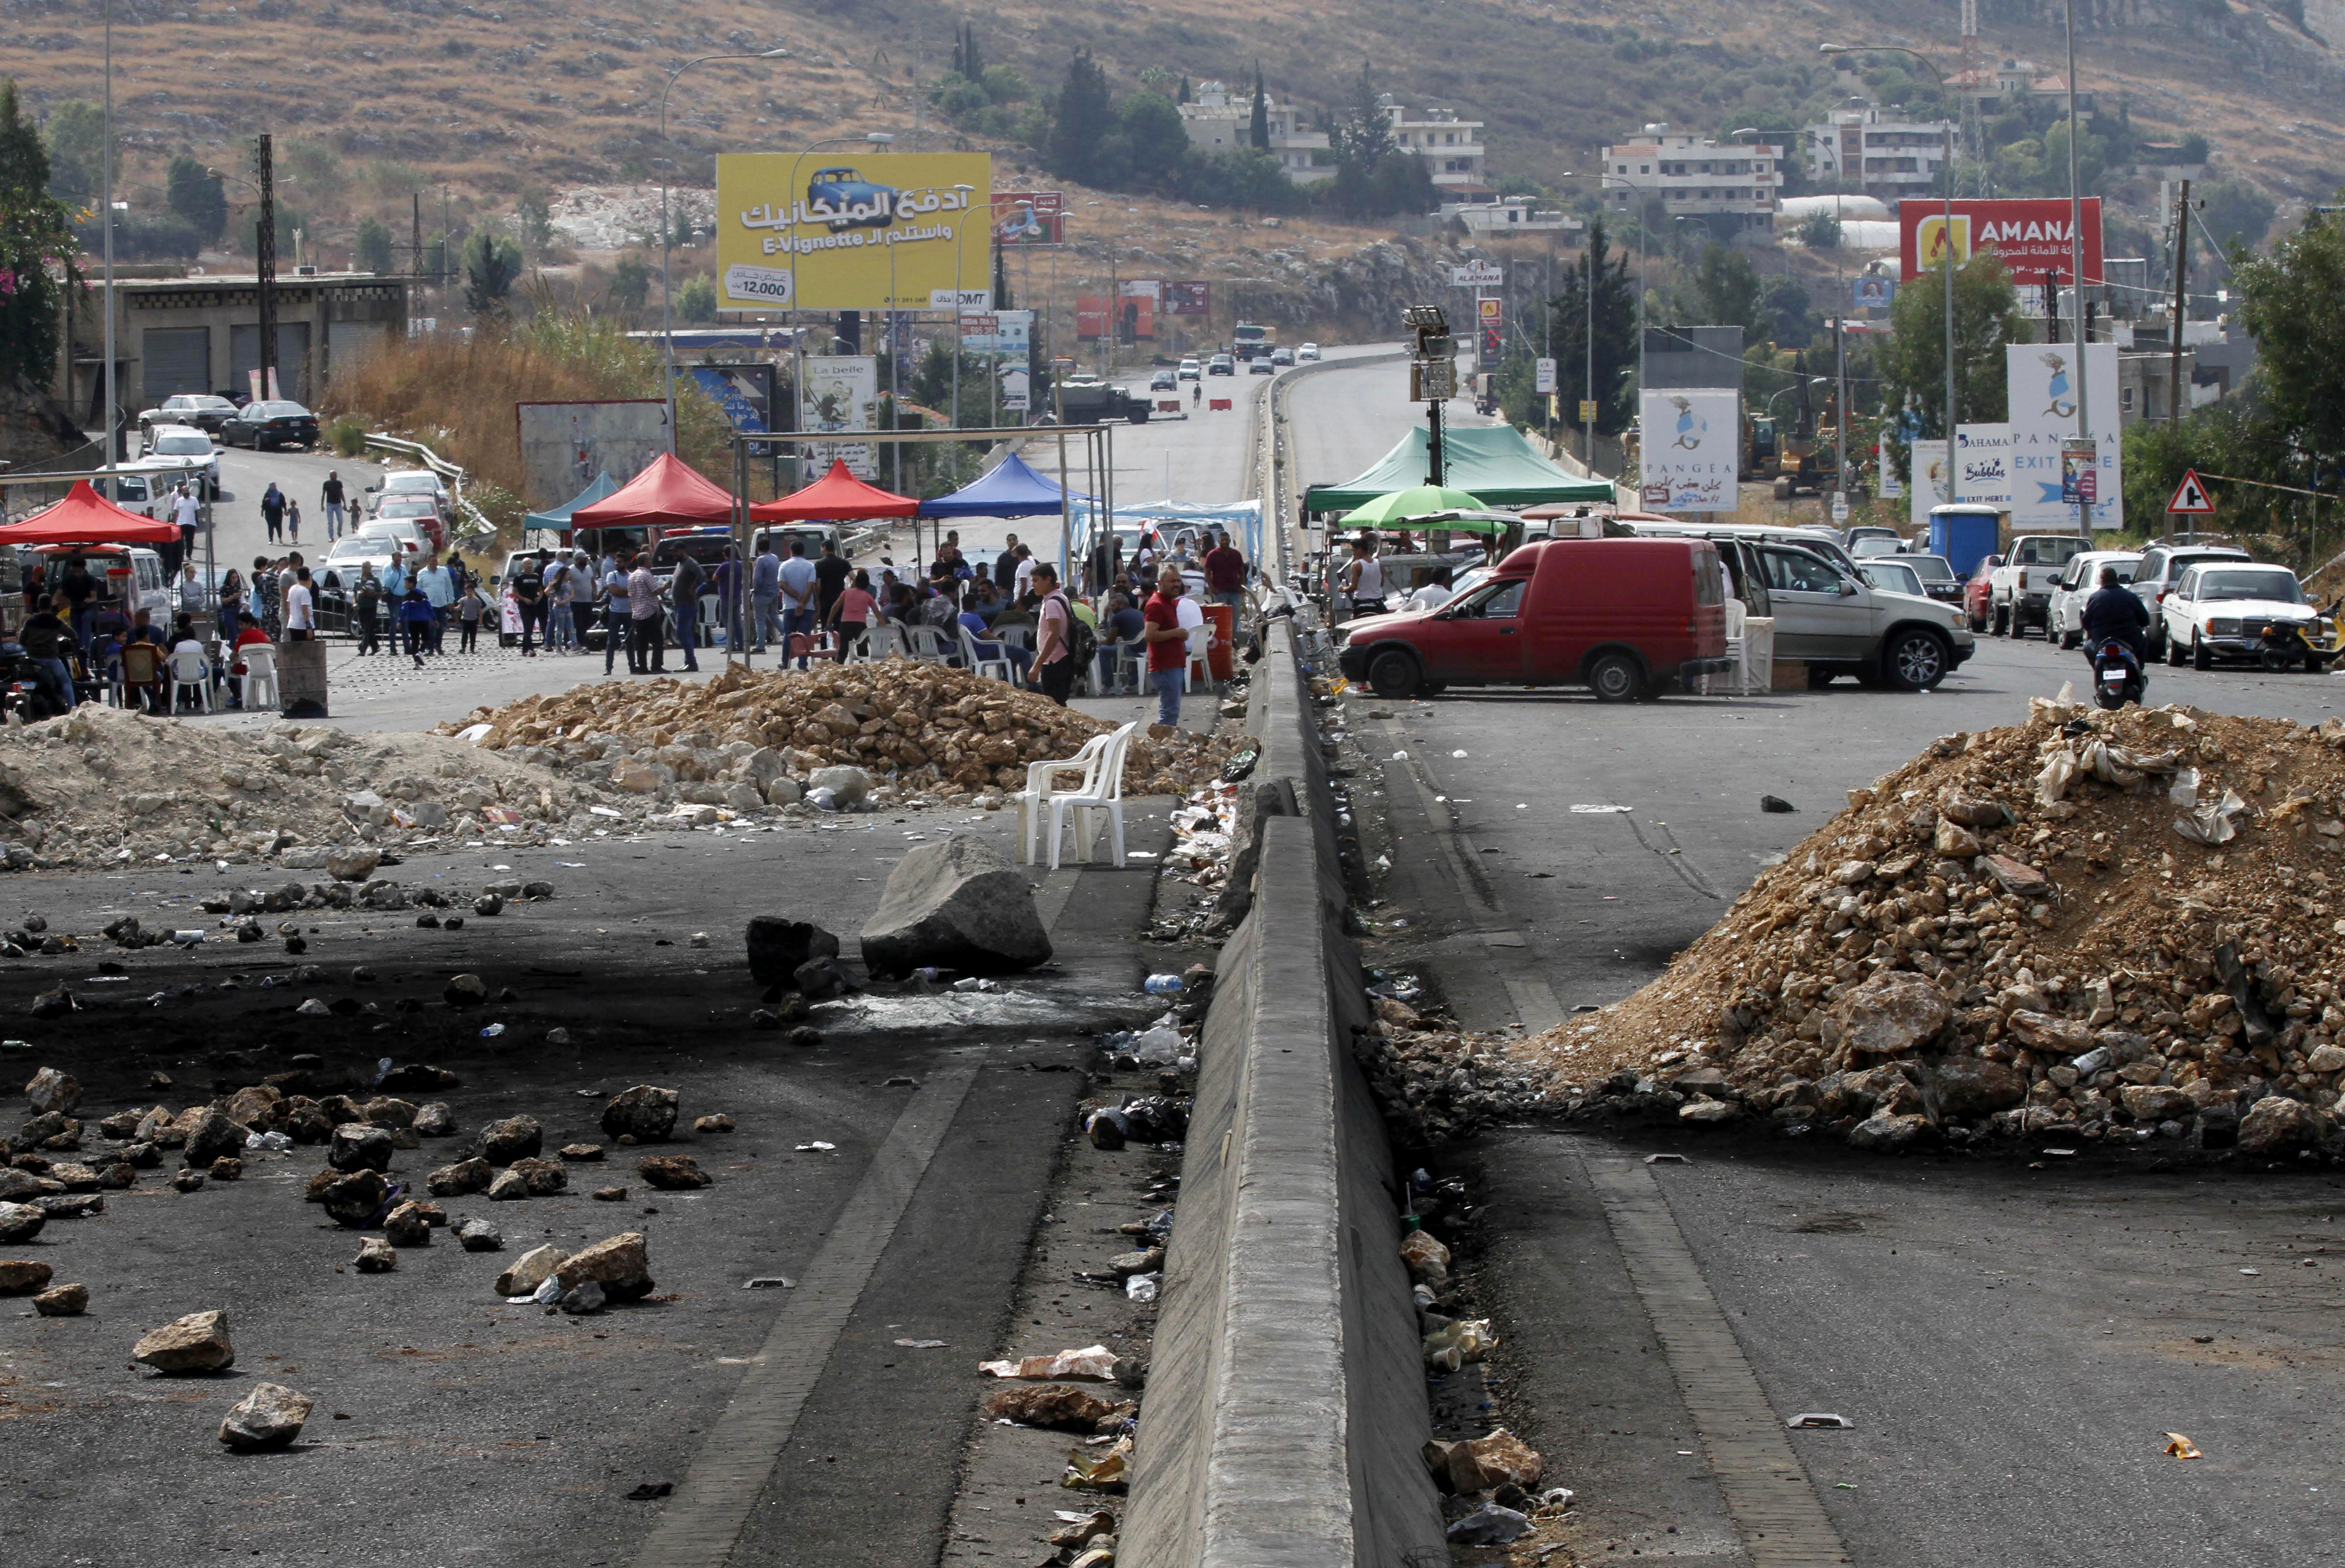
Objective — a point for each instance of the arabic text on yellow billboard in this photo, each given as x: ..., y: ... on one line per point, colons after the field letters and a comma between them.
x: 820, y: 231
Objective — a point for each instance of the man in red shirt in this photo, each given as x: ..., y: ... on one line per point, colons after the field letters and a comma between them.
x: 1168, y: 644
x: 1225, y: 575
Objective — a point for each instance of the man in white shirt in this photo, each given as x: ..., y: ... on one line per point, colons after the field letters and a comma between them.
x: 439, y: 586
x: 798, y: 579
x: 301, y: 625
x: 1434, y: 591
x: 1022, y: 579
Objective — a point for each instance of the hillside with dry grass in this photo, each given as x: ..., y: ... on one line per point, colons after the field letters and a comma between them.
x: 376, y: 101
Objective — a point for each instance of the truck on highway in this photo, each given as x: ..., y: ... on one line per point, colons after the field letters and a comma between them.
x: 1249, y: 342
x: 1097, y: 402
x: 1625, y: 617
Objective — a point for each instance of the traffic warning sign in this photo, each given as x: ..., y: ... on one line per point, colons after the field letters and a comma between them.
x: 2190, y: 496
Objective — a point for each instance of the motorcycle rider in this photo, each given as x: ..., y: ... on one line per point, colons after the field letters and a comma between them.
x: 2115, y: 613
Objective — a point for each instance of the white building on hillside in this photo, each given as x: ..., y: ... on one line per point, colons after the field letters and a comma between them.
x: 1865, y: 147
x: 1220, y: 122
x: 1695, y: 177
x: 1452, y: 146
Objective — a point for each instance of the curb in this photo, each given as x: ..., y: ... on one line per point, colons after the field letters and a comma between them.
x: 1286, y: 1404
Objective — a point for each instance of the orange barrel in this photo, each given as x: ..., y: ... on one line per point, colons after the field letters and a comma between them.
x: 1224, y: 619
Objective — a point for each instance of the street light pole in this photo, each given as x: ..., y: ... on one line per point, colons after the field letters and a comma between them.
x: 668, y: 316
x: 2077, y: 274
x: 113, y: 396
x: 1947, y: 236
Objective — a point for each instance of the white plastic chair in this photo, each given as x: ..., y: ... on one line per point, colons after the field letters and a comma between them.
x: 259, y: 674
x: 1199, y: 662
x: 1737, y: 615
x: 188, y: 670
x: 1103, y: 794
x: 972, y: 660
x: 1041, y: 778
x: 885, y: 640
x: 927, y: 645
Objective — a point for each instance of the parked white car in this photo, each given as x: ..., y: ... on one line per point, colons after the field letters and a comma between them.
x: 2223, y: 610
x: 2079, y: 581
x: 404, y: 532
x: 2161, y: 568
x: 190, y: 447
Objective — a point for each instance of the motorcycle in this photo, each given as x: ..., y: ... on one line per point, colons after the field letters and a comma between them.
x: 22, y: 700
x: 2117, y: 677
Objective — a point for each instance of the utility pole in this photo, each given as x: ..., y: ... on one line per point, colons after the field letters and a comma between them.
x: 264, y: 253
x: 2077, y: 273
x: 2181, y: 301
x: 1588, y: 389
x: 112, y: 394
x: 417, y: 197
x: 1840, y: 406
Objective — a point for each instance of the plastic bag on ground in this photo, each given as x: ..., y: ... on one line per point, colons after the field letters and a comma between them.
x: 1103, y: 1471
x: 1458, y: 1344
x: 1096, y: 1362
x: 1489, y: 1525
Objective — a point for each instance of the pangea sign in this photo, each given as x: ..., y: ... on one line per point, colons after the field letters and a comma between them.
x: 885, y: 231
x: 1687, y: 450
x: 2030, y: 235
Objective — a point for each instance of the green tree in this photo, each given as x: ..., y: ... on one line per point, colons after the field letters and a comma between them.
x: 696, y: 300
x: 631, y: 284
x: 35, y: 234
x: 1728, y: 287
x: 1084, y: 121
x: 1373, y: 176
x: 1155, y: 142
x: 492, y: 263
x: 1787, y: 315
x: 371, y: 250
x: 76, y: 134
x: 1002, y: 299
x: 1565, y: 336
x: 1912, y: 357
x: 2293, y: 302
x: 967, y: 59
x: 194, y: 193
x: 1258, y: 126
x: 1819, y: 231
x: 534, y: 211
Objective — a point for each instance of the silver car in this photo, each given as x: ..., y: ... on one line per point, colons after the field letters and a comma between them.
x: 1836, y: 624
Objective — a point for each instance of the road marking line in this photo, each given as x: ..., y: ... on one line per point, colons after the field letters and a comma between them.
x: 1766, y: 1488
x: 713, y: 1501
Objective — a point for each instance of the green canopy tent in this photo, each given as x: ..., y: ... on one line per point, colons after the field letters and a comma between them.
x: 1495, y: 463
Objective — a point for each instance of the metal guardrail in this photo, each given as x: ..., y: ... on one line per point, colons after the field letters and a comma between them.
x: 473, y: 524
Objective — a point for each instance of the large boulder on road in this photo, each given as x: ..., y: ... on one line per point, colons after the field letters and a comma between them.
x: 957, y: 904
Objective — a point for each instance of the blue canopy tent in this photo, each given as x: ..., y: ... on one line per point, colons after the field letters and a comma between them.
x: 1010, y: 489
x: 558, y: 517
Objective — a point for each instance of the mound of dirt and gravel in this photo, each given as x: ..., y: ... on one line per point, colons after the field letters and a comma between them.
x: 2092, y: 926
x: 926, y: 727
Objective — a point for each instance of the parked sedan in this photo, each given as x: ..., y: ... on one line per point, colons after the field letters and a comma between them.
x: 201, y: 410
x: 2226, y: 611
x: 1938, y: 579
x: 1977, y: 593
x: 421, y: 510
x: 270, y: 423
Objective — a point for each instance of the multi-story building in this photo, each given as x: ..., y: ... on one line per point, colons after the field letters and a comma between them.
x: 1510, y: 215
x: 1695, y: 177
x: 1453, y: 146
x: 1220, y: 122
x: 1863, y: 149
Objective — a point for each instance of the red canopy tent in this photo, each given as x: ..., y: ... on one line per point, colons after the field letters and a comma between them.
x: 838, y: 497
x: 85, y: 517
x: 669, y: 494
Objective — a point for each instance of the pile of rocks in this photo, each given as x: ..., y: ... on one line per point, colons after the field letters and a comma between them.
x: 106, y: 786
x: 2092, y: 926
x: 930, y: 728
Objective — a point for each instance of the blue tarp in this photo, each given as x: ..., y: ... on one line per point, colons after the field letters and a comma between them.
x: 1012, y: 489
x: 558, y: 518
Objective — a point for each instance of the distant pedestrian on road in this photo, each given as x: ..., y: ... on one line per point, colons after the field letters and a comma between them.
x: 1361, y: 591
x: 470, y: 608
x: 366, y: 604
x: 292, y: 521
x: 272, y: 512
x: 646, y: 649
x: 831, y: 573
x: 438, y: 587
x: 1005, y: 566
x: 331, y: 495
x: 300, y: 619
x: 799, y: 583
x: 1054, y: 649
x: 764, y: 594
x: 581, y: 598
x: 1168, y: 644
x: 1225, y: 575
x: 617, y: 625
x: 684, y: 587
x: 528, y: 587
x: 415, y: 620
x: 188, y: 511
x: 852, y: 613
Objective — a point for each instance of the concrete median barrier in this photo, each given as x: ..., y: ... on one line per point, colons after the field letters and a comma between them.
x: 1286, y: 1404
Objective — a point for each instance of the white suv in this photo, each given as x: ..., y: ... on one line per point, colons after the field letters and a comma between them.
x: 2019, y: 592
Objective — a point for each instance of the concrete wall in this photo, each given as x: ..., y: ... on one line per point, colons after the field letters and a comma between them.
x: 1286, y: 1401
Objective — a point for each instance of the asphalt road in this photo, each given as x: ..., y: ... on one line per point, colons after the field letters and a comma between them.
x: 2009, y: 1343
x: 480, y: 1432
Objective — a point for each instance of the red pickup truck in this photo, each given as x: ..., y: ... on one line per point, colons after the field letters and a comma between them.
x: 1622, y: 616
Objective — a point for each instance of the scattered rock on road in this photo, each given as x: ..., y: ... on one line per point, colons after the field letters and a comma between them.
x: 646, y: 1112
x: 20, y: 1276
x: 359, y: 1147
x: 460, y: 1179
x: 20, y: 1222
x: 957, y: 904
x: 270, y: 1417
x: 479, y: 1236
x: 353, y: 1200
x: 620, y: 1264
x: 529, y: 1271
x: 777, y: 947
x: 52, y: 1091
x: 195, y: 1343
x: 515, y: 1137
x: 376, y: 1256
x: 64, y: 1302
x: 673, y: 1173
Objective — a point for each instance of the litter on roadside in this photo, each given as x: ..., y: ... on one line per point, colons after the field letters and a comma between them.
x: 1096, y: 1362
x: 1818, y: 1419
x: 2180, y: 1447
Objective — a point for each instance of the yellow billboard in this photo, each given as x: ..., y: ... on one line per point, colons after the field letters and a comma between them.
x: 833, y: 230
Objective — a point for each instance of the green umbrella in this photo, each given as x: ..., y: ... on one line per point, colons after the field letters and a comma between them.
x: 1417, y: 501
x: 1473, y: 521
